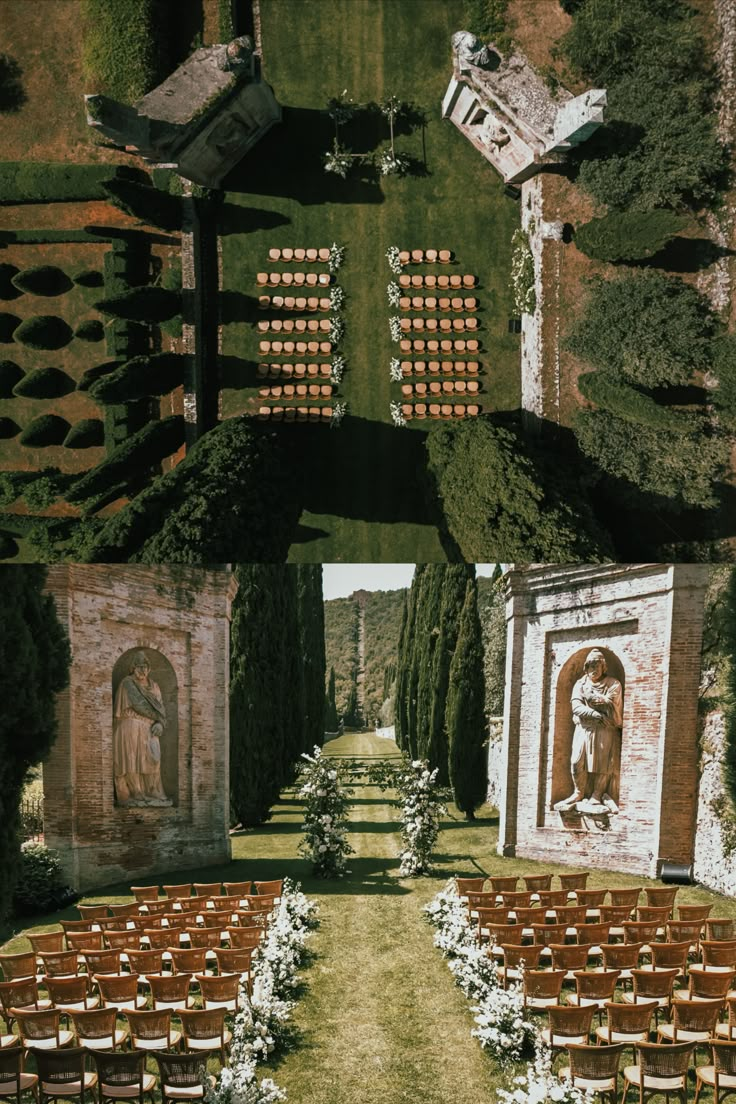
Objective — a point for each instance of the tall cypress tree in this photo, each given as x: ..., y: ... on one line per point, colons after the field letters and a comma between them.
x: 465, y: 717
x: 266, y: 689
x: 331, y: 719
x: 34, y: 668
x: 427, y: 638
x: 454, y: 583
x: 311, y: 611
x: 404, y: 664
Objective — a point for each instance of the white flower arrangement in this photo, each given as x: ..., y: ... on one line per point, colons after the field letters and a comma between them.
x: 448, y: 914
x: 337, y: 298
x: 522, y: 274
x: 392, y: 164
x: 339, y: 411
x: 338, y: 161
x: 394, y: 325
x: 396, y: 415
x: 474, y: 970
x: 393, y: 256
x: 336, y: 331
x: 327, y: 800
x: 338, y: 369
x: 502, y: 1029
x: 422, y: 805
x: 395, y: 370
x: 238, y: 1084
x: 336, y: 258
x: 393, y: 291
x: 539, y: 1085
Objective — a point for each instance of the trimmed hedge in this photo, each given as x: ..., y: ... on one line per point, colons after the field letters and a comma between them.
x: 147, y: 203
x: 90, y: 330
x: 44, y: 331
x: 7, y: 288
x: 126, y: 339
x: 144, y: 375
x: 144, y: 304
x: 629, y: 235
x: 143, y: 450
x: 9, y: 323
x: 89, y: 277
x: 44, y: 383
x: 42, y: 280
x: 93, y: 374
x: 125, y: 419
x: 8, y: 429
x: 54, y: 181
x: 88, y: 433
x: 610, y: 393
x: 226, y: 23
x: 10, y: 375
x: 123, y: 47
x: 49, y: 429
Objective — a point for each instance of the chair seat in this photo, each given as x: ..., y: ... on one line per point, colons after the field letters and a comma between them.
x: 666, y: 1031
x: 213, y: 1043
x: 562, y: 1040
x: 228, y: 1005
x: 589, y: 1084
x: 27, y: 1081
x: 632, y: 1075
x: 8, y: 1041
x: 707, y: 1074
x: 161, y: 1043
x: 65, y: 1037
x: 723, y: 1031
x: 105, y: 1042
x: 542, y: 1002
x: 131, y: 1005
x: 175, y: 1092
x: 78, y: 1006
x: 120, y: 1092
x: 621, y: 1036
x: 587, y: 1002
x: 661, y: 1002
x: 69, y: 1088
x: 161, y: 1006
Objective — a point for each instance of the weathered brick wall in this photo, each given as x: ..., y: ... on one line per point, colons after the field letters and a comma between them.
x: 183, y: 613
x: 648, y: 617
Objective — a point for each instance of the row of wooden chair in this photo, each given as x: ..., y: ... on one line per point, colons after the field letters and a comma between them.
x: 447, y: 387
x: 430, y: 303
x: 294, y: 325
x: 445, y: 367
x: 575, y: 919
x: 437, y: 410
x: 446, y: 345
x: 576, y: 884
x: 299, y: 254
x: 468, y: 280
x: 290, y: 303
x: 300, y: 370
x: 293, y: 279
x: 295, y: 413
x: 655, y: 988
x: 425, y: 256
x: 299, y: 391
x: 288, y: 348
x: 439, y: 325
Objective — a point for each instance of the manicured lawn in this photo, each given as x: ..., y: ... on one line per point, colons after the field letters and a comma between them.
x: 362, y: 483
x: 379, y: 1003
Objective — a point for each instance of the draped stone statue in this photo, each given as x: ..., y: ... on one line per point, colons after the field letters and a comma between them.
x: 139, y: 724
x: 597, y: 709
x: 470, y: 49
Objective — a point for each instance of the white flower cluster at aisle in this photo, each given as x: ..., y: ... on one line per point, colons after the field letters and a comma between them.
x: 327, y: 800
x: 422, y: 805
x: 539, y: 1085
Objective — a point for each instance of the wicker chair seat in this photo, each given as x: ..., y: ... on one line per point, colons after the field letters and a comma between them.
x: 161, y: 1042
x: 628, y: 1037
x: 68, y: 1088
x: 120, y: 1092
x: 27, y: 1081
x: 184, y: 1092
x: 589, y: 1084
x: 91, y: 1002
x: 214, y: 1042
x: 542, y: 1002
x: 665, y: 1034
x: 65, y: 1038
x: 723, y: 1031
x: 655, y: 1084
x: 707, y: 1074
x: 8, y: 1041
x: 661, y: 1002
x: 104, y: 1042
x: 561, y: 1041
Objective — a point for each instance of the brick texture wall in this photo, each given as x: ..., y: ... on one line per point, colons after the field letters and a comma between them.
x: 184, y: 614
x: 648, y: 620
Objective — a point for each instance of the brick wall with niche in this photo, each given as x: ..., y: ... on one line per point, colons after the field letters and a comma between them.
x: 646, y: 619
x: 179, y: 618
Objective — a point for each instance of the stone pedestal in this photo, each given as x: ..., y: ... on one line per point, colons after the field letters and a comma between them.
x: 180, y: 618
x: 647, y: 620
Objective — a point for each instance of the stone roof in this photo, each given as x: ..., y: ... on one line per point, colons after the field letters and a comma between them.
x: 191, y: 89
x: 523, y: 93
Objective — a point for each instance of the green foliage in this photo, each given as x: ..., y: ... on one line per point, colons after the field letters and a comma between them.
x: 341, y: 647
x: 8, y: 290
x: 492, y: 613
x: 145, y: 202
x: 621, y: 398
x: 9, y: 323
x: 124, y: 46
x: 487, y: 20
x: 89, y: 277
x: 86, y: 433
x: 448, y: 597
x: 310, y: 720
x: 465, y: 719
x: 502, y: 504
x: 49, y: 429
x: 42, y: 280
x: 145, y: 304
x: 96, y: 373
x: 44, y: 383
x: 231, y: 497
x: 43, y: 490
x: 716, y: 635
x: 90, y: 330
x: 157, y: 374
x: 41, y: 885
x: 10, y: 375
x: 141, y: 452
x: 628, y: 235
x: 522, y: 274
x: 172, y: 280
x: 654, y: 329
x: 680, y: 466
x: 44, y: 331
x: 729, y: 698
x: 382, y: 618
x: 53, y: 181
x: 724, y: 367
x: 11, y: 486
x: 331, y: 719
x: 8, y: 429
x: 34, y: 668
x: 226, y: 26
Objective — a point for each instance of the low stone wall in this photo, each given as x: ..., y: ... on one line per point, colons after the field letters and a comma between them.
x: 713, y: 867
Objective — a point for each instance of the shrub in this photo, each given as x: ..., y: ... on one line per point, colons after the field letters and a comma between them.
x: 9, y: 323
x: 614, y: 394
x: 145, y: 304
x: 44, y: 331
x: 89, y: 277
x: 8, y: 428
x: 142, y: 451
x: 44, y: 383
x: 85, y: 434
x: 53, y: 181
x: 49, y: 429
x: 724, y: 367
x: 628, y: 235
x: 11, y: 486
x: 8, y: 545
x: 12, y: 93
x: 97, y: 372
x: 42, y: 491
x: 42, y: 280
x: 145, y: 375
x: 10, y: 375
x: 41, y: 884
x: 7, y: 289
x: 487, y: 20
x: 123, y: 46
x: 146, y: 203
x: 90, y: 330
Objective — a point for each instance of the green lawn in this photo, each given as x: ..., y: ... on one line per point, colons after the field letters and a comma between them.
x: 379, y: 1002
x: 362, y: 484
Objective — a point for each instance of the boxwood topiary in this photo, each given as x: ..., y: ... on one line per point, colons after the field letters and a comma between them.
x: 42, y: 280
x: 9, y: 323
x: 8, y: 545
x: 85, y: 434
x: 7, y: 289
x: 89, y: 277
x: 97, y: 372
x: 10, y: 374
x: 44, y: 383
x: 41, y: 884
x: 8, y: 429
x: 41, y: 492
x: 49, y: 429
x: 44, y: 331
x: 90, y: 330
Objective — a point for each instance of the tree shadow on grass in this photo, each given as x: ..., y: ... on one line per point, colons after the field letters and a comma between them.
x: 234, y: 219
x: 234, y: 372
x: 306, y: 533
x: 236, y: 306
x: 12, y: 93
x: 687, y: 255
x: 289, y: 162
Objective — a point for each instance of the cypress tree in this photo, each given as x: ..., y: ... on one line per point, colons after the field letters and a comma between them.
x: 426, y: 641
x: 454, y: 583
x: 331, y: 719
x: 401, y: 674
x: 34, y: 668
x: 352, y: 715
x: 465, y: 718
x: 413, y: 660
x: 311, y: 610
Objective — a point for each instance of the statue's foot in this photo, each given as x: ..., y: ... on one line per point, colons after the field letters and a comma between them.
x: 610, y: 804
x: 592, y: 806
x: 568, y: 803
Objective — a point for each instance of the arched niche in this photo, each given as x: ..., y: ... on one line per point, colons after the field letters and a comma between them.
x: 163, y: 674
x: 572, y: 670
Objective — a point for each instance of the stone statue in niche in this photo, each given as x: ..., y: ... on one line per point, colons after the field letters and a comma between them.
x: 139, y: 724
x: 493, y: 132
x: 597, y: 709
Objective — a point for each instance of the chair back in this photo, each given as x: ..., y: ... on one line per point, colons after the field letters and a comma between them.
x: 97, y: 1023
x: 102, y: 962
x: 86, y: 941
x: 204, y: 937
x: 678, y: 931
x: 180, y: 1071
x: 169, y: 987
x: 591, y: 898
x: 544, y: 934
x: 476, y: 899
x: 256, y: 902
x: 188, y: 905
x: 595, y: 1063
x: 724, y: 1057
x: 535, y: 882
x: 693, y: 912
x: 573, y: 882
x: 234, y: 960
x: 653, y: 914
x: 628, y: 897
x: 667, y: 955
x: 596, y: 984
x: 527, y: 916
x: 11, y: 1066
x: 614, y: 914
x: 716, y: 952
x: 47, y: 941
x: 543, y: 984
x: 715, y: 928
x: 653, y: 984
x: 621, y: 956
x: 93, y: 912
x: 272, y: 888
x: 143, y: 962
x: 150, y: 1024
x: 503, y: 885
x: 120, y: 1069
x: 220, y: 918
x: 116, y: 940
x: 552, y: 898
x: 629, y: 1019
x: 61, y: 1069
x: 661, y: 895
x: 664, y: 1059
x: 504, y: 933
x: 40, y: 1026
x: 243, y: 888
x: 202, y: 1023
x: 207, y: 889
x: 517, y: 899
x: 188, y: 962
x: 218, y: 990
x: 76, y: 926
x: 569, y: 956
x: 595, y: 934
x: 157, y: 908
x: 22, y: 993
x: 636, y: 932
x: 688, y: 1015
x: 123, y: 912
x: 494, y: 915
x: 710, y: 984
x: 144, y: 894
x: 244, y: 938
x: 570, y: 1020
x: 517, y: 954
x: 59, y: 963
x: 16, y: 966
x: 178, y: 890
x: 68, y: 990
x: 570, y: 915
x: 115, y: 989
x: 158, y: 938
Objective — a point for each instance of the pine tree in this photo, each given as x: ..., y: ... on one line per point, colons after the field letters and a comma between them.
x: 34, y: 668
x: 331, y: 719
x: 465, y: 718
x: 312, y: 652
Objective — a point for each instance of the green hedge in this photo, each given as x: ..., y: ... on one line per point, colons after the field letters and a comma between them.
x: 49, y: 429
x: 143, y: 304
x: 42, y: 280
x: 142, y: 451
x: 226, y: 23
x: 52, y: 237
x: 44, y: 331
x: 125, y: 419
x: 126, y: 339
x: 89, y: 277
x: 44, y: 383
x: 10, y: 375
x: 123, y: 46
x: 610, y: 393
x: 54, y: 182
x: 90, y: 330
x: 145, y: 202
x: 628, y: 235
x: 88, y: 433
x: 92, y: 374
x: 145, y: 375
